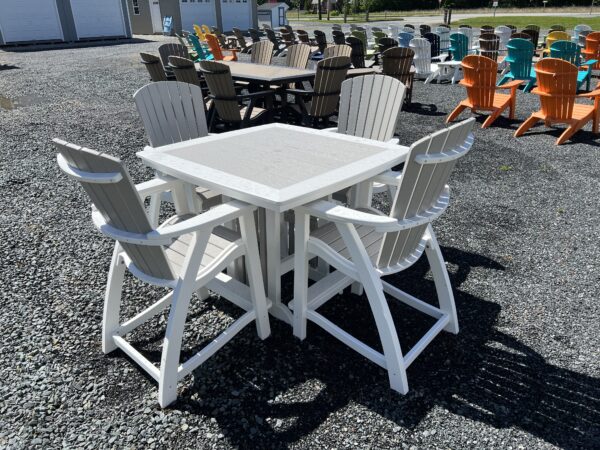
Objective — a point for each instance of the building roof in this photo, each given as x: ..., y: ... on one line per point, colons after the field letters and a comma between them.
x: 269, y: 6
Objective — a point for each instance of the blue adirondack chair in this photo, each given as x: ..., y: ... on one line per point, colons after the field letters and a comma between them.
x: 201, y: 53
x: 570, y: 52
x: 404, y: 39
x: 520, y: 57
x: 459, y: 46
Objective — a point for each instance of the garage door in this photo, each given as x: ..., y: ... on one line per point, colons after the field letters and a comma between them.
x: 199, y: 12
x: 30, y: 20
x: 98, y: 18
x: 236, y: 13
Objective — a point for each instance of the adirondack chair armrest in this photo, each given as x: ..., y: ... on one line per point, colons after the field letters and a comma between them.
x: 512, y: 85
x: 393, y: 141
x: 297, y: 92
x: 155, y: 186
x: 391, y: 178
x: 333, y: 212
x: 594, y: 93
x: 164, y: 235
x: 589, y: 62
x: 252, y: 95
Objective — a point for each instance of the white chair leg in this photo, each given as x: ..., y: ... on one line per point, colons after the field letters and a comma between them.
x: 255, y: 279
x: 300, y: 274
x: 442, y: 281
x: 112, y: 300
x: 169, y: 364
x: 381, y: 311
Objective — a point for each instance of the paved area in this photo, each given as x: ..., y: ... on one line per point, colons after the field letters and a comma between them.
x: 520, y: 239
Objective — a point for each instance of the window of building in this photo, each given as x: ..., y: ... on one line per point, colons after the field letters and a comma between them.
x: 136, y: 7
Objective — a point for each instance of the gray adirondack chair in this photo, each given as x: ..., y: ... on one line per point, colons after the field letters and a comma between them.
x: 297, y: 56
x: 227, y: 104
x: 154, y: 66
x: 171, y: 112
x: 185, y: 254
x: 321, y: 102
x: 261, y: 52
x: 171, y: 49
x: 365, y: 245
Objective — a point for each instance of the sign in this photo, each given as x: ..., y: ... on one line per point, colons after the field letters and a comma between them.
x: 494, y: 4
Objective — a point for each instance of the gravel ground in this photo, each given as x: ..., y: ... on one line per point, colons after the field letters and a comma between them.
x: 521, y: 240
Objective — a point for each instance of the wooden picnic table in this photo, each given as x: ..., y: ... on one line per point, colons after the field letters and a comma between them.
x: 276, y: 167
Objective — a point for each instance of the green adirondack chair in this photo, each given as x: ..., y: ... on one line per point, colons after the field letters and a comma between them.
x: 459, y: 46
x: 571, y: 52
x: 369, y: 54
x: 520, y: 59
x: 201, y: 54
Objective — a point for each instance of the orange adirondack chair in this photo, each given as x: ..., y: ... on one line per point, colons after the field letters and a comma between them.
x: 557, y: 88
x: 480, y: 81
x: 217, y: 51
x: 592, y: 48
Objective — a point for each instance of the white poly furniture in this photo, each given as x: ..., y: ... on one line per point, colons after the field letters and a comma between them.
x: 504, y: 33
x: 363, y: 245
x: 172, y: 111
x: 186, y: 254
x: 424, y: 68
x: 276, y: 167
x: 444, y: 34
x: 577, y: 31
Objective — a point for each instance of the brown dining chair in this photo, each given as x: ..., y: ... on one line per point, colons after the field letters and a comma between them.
x: 397, y: 62
x: 154, y: 67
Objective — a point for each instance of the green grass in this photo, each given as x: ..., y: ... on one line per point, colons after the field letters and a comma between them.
x: 521, y: 21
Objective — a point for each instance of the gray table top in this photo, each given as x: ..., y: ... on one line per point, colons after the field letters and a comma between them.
x: 264, y: 74
x: 275, y: 166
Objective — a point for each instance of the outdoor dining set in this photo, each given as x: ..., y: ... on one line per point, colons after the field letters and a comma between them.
x: 281, y: 191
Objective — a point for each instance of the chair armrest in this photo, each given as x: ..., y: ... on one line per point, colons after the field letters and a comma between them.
x: 391, y: 178
x: 155, y: 186
x: 589, y: 62
x: 341, y: 214
x: 510, y: 84
x: 164, y: 235
x: 299, y: 92
x: 593, y: 93
x: 255, y: 94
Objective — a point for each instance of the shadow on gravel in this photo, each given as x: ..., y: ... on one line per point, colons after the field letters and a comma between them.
x: 424, y: 109
x: 275, y: 393
x: 37, y: 47
x: 581, y: 137
x: 8, y: 67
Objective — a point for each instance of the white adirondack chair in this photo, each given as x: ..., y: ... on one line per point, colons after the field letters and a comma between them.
x: 444, y: 34
x: 577, y: 31
x: 504, y: 34
x: 172, y: 112
x: 185, y: 254
x: 424, y: 68
x: 365, y: 245
x: 473, y: 41
x: 393, y: 31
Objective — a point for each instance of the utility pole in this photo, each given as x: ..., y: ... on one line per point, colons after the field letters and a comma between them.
x: 319, y: 8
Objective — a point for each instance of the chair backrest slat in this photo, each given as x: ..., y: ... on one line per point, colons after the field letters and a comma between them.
x: 262, y: 52
x: 154, y: 66
x: 297, y: 56
x: 119, y: 204
x: 171, y: 112
x: 422, y: 186
x: 220, y: 83
x: 331, y: 72
x: 370, y: 106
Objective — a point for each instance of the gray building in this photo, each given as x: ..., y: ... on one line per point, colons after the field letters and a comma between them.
x: 62, y: 20
x: 147, y: 15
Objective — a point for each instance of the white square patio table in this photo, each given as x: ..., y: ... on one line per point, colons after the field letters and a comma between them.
x: 276, y: 167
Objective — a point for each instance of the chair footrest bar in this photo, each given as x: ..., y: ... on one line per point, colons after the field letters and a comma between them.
x: 233, y: 290
x: 130, y: 351
x: 411, y: 301
x: 347, y: 338
x: 425, y: 340
x: 326, y: 288
x: 222, y: 339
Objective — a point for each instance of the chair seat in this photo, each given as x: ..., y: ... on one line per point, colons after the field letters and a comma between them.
x: 330, y: 235
x: 220, y: 239
x: 256, y: 111
x: 581, y: 111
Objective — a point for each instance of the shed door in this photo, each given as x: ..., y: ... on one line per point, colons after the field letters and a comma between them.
x: 98, y: 18
x: 236, y: 13
x: 30, y: 20
x: 199, y: 12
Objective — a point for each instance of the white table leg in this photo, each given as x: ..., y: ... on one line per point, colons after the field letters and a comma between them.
x: 273, y: 273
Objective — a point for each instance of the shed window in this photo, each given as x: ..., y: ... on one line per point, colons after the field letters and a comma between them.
x: 136, y: 7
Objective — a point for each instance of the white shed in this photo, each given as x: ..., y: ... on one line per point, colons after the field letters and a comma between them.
x: 273, y: 14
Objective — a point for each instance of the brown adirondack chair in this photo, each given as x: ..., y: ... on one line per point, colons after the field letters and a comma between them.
x: 227, y: 103
x: 489, y: 44
x: 243, y: 46
x: 184, y: 70
x: 154, y: 66
x: 557, y: 88
x: 322, y: 101
x: 397, y: 62
x: 217, y: 51
x: 480, y: 80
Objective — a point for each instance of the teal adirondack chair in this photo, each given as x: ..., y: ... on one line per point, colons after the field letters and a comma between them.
x: 459, y: 46
x: 201, y: 53
x: 520, y: 59
x: 571, y: 52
